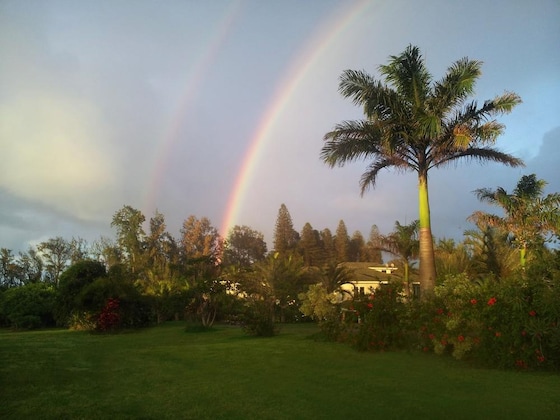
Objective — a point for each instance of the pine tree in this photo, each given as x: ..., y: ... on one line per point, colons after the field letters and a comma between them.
x: 357, y: 248
x: 373, y: 253
x: 285, y: 237
x: 327, y: 245
x: 309, y: 246
x: 342, y: 242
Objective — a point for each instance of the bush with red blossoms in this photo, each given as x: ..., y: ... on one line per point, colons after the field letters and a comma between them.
x: 109, y: 319
x: 518, y: 327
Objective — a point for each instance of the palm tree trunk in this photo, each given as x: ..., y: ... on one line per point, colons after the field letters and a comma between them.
x: 427, y: 261
x: 523, y: 256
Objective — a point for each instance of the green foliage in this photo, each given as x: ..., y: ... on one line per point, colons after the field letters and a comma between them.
x: 258, y: 318
x: 515, y: 323
x: 382, y: 319
x: 72, y: 282
x: 27, y: 307
x: 318, y: 304
x: 134, y: 309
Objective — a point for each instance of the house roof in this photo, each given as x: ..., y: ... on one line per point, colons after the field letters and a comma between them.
x: 363, y: 271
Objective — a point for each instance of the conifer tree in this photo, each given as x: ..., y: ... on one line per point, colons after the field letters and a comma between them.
x: 341, y: 242
x: 285, y: 237
x: 357, y: 247
x: 309, y: 246
x: 327, y: 244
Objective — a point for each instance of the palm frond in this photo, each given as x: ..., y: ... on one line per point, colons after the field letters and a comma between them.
x: 369, y: 177
x: 457, y: 84
x: 480, y: 154
x: 356, y: 85
x: 408, y: 73
x: 350, y: 141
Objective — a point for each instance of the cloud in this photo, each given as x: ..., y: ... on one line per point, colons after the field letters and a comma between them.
x: 50, y: 152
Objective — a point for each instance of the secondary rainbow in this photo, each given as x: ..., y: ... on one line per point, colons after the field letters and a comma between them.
x: 305, y: 59
x: 193, y: 82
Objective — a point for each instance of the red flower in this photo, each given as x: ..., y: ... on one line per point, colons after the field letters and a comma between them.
x: 498, y: 334
x: 523, y: 333
x: 370, y: 305
x: 473, y: 301
x: 431, y: 336
x: 439, y: 311
x: 461, y: 338
x: 532, y: 313
x: 492, y: 301
x: 520, y: 363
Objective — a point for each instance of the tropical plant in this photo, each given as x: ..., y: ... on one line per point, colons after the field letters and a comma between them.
x: 415, y: 124
x: 529, y: 217
x: 402, y: 243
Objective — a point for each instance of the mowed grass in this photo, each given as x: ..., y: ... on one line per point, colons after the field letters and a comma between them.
x: 167, y: 373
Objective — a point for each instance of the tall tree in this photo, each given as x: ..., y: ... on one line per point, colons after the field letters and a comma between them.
x: 529, y: 215
x: 309, y: 246
x: 327, y: 243
x: 105, y: 250
x: 414, y: 124
x: 357, y: 247
x: 130, y: 235
x: 285, y: 237
x: 200, y: 239
x: 373, y: 253
x: 56, y: 253
x: 78, y: 250
x: 342, y: 242
x: 244, y: 247
x: 8, y: 268
x: 30, y: 266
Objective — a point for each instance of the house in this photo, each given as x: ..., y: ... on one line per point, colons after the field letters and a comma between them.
x: 367, y: 277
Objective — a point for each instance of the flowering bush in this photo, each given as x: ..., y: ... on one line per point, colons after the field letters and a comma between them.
x: 109, y: 319
x: 514, y: 323
x: 382, y: 320
x: 517, y: 327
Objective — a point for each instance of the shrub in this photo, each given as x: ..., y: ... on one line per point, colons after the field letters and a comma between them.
x: 258, y: 318
x: 382, y: 319
x: 110, y: 318
x: 30, y: 306
x: 514, y: 323
x: 72, y: 283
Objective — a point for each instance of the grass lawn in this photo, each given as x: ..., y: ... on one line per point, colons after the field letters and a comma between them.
x: 167, y: 373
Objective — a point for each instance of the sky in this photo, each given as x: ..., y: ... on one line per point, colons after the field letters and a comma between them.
x: 218, y: 109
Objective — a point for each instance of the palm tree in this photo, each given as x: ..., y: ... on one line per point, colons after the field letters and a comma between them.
x: 415, y: 124
x: 402, y: 243
x: 528, y: 215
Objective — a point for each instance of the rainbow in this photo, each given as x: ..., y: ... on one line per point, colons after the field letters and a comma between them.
x: 305, y: 60
x: 193, y: 82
